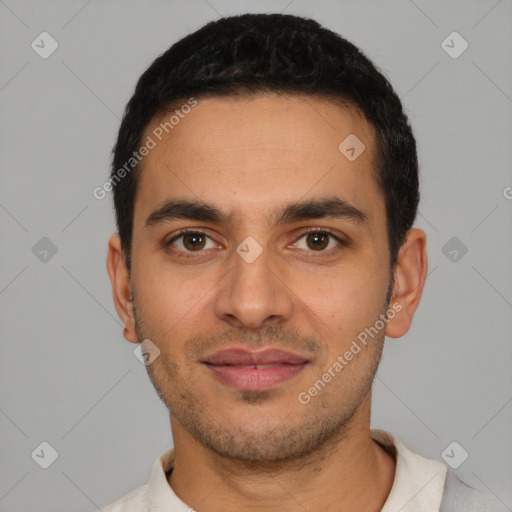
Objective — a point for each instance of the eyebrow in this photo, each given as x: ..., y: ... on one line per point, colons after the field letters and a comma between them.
x: 334, y: 208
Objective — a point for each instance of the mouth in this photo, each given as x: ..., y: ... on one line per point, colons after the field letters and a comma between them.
x: 254, y: 371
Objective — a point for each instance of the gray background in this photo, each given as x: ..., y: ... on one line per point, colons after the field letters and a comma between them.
x: 67, y: 375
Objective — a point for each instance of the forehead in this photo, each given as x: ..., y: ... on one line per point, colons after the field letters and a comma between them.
x: 258, y: 149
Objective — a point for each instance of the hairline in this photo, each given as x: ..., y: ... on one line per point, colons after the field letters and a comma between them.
x: 242, y: 93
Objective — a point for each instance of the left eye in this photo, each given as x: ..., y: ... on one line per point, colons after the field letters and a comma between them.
x: 318, y: 241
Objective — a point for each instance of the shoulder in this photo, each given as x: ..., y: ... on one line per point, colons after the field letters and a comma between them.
x: 157, y: 488
x: 460, y: 497
x: 134, y: 501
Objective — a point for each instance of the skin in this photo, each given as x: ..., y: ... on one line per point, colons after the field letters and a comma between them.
x: 248, y: 157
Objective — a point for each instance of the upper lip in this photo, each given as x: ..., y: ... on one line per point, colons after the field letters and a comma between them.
x: 244, y: 357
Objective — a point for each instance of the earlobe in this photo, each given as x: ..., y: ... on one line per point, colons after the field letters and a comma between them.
x: 409, y: 279
x: 121, y: 287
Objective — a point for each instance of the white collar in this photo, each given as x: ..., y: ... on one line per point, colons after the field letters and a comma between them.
x: 417, y: 487
x: 419, y: 482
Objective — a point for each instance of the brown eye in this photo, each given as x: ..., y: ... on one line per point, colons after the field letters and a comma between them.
x: 194, y: 241
x: 317, y: 241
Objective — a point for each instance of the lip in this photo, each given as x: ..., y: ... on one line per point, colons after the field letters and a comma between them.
x: 254, y: 371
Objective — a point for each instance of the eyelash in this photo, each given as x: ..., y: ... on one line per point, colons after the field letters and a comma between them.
x: 190, y: 254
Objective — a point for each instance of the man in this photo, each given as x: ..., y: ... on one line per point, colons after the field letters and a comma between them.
x: 265, y: 181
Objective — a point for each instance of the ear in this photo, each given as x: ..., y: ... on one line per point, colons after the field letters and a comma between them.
x: 121, y: 287
x: 409, y: 279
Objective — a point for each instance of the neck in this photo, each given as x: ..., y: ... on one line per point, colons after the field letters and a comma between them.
x: 351, y: 473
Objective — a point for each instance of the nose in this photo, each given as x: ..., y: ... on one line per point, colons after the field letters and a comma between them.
x: 253, y: 294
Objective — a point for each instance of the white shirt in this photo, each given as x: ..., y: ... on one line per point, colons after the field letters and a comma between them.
x: 417, y: 487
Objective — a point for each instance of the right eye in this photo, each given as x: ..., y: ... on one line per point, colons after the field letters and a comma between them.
x: 191, y: 241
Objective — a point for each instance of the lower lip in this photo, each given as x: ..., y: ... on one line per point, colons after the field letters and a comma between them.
x: 252, y: 379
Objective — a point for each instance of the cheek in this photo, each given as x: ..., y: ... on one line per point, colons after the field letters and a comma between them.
x: 342, y: 304
x: 169, y: 300
x: 344, y: 293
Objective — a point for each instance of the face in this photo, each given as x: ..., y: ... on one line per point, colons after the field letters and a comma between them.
x: 259, y: 256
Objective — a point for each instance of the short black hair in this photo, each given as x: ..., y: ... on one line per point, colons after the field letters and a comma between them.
x: 252, y: 54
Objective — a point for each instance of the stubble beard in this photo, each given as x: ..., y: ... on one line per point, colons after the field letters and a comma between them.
x: 313, y: 429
